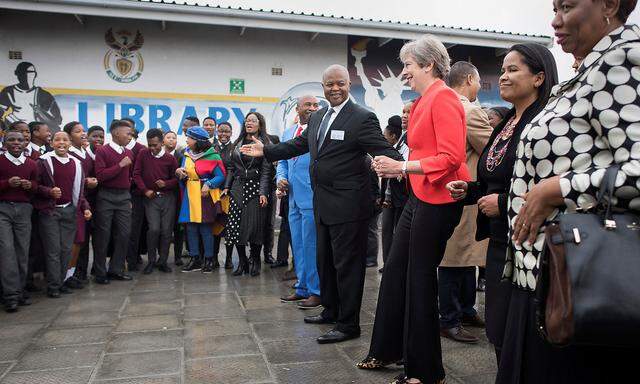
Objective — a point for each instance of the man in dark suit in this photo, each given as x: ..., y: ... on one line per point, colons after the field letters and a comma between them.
x: 338, y: 139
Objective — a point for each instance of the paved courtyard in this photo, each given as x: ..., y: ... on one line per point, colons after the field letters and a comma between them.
x: 195, y: 328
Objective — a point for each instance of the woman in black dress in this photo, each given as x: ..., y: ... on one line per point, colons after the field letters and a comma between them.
x: 528, y: 74
x: 248, y: 181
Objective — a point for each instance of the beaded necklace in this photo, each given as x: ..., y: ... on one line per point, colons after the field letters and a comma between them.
x: 495, y: 155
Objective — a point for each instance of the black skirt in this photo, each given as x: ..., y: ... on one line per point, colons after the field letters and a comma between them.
x: 528, y: 359
x: 497, y: 294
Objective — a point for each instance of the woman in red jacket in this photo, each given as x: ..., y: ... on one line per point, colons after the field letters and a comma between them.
x: 406, y: 324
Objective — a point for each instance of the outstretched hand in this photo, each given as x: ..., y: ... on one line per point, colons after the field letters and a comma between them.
x: 254, y: 150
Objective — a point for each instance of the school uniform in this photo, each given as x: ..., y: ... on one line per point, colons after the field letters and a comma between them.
x: 15, y: 225
x: 57, y: 218
x: 113, y: 208
x: 86, y: 157
x: 137, y: 213
x: 159, y: 210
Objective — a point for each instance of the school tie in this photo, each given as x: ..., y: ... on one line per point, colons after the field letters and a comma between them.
x: 324, y: 126
x: 42, y: 150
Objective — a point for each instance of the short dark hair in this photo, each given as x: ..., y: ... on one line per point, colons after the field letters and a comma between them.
x: 14, y: 126
x: 228, y: 124
x: 459, y: 73
x: 394, y: 125
x: 154, y: 132
x: 69, y: 126
x: 168, y: 132
x: 193, y: 119
x: 130, y: 121
x: 94, y: 128
x: 625, y: 8
x: 115, y: 124
x: 210, y: 118
x: 35, y: 125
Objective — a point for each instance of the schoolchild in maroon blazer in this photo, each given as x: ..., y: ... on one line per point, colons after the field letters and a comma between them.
x: 154, y: 176
x: 113, y: 165
x: 18, y: 181
x: 80, y: 251
x: 60, y: 200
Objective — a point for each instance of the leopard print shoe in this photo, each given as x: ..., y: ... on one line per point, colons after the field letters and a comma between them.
x: 371, y: 363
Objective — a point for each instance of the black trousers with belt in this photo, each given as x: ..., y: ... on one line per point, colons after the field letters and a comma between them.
x: 113, y: 216
x: 342, y: 250
x: 406, y: 325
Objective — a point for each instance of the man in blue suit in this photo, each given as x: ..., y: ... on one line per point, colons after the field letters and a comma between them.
x: 293, y: 178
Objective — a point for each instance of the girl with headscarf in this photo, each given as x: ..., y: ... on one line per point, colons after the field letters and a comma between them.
x: 202, y: 207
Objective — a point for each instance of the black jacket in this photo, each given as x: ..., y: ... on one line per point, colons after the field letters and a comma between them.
x: 241, y: 168
x: 339, y: 174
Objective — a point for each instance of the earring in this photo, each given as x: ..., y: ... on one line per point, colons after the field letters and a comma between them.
x: 608, y: 21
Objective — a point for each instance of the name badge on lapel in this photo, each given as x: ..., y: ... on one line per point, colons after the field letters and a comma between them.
x: 337, y: 135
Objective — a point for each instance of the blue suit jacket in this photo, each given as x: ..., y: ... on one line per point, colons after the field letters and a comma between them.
x: 296, y: 171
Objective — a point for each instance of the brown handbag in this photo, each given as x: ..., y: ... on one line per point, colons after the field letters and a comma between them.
x: 587, y: 291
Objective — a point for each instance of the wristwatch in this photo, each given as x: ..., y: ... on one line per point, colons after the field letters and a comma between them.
x: 404, y: 168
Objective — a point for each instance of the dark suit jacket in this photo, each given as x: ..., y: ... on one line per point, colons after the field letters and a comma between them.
x: 339, y: 174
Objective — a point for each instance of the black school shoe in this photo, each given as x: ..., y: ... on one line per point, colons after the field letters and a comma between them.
x: 194, y: 265
x: 208, y: 266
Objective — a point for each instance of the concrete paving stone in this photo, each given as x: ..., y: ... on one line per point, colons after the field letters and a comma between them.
x: 4, y: 367
x: 20, y: 332
x: 145, y: 341
x: 154, y: 296
x: 261, y: 301
x: 298, y: 351
x: 154, y: 286
x: 276, y: 290
x: 29, y: 315
x: 148, y: 323
x: 124, y: 365
x: 320, y: 372
x: 472, y: 360
x: 104, y: 304
x: 144, y: 380
x: 61, y: 376
x: 282, y: 330
x: 58, y: 357
x: 220, y: 299
x: 213, y: 311
x: 205, y: 286
x: 215, y: 346
x: 280, y: 313
x: 148, y: 309
x: 74, y: 336
x: 216, y: 327
x: 80, y: 319
x: 11, y: 350
x: 227, y: 370
x: 486, y: 378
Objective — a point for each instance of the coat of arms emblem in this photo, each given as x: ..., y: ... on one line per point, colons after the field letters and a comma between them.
x: 123, y: 61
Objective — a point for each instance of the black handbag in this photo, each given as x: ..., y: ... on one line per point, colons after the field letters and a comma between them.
x: 588, y: 290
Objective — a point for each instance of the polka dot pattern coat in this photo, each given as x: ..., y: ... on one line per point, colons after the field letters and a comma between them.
x: 590, y: 122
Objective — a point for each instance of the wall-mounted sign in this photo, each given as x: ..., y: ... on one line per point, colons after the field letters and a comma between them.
x: 236, y: 86
x: 123, y: 62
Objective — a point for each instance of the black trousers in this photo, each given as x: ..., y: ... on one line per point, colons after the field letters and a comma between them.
x: 269, y: 225
x: 57, y: 229
x: 160, y: 214
x: 15, y: 234
x: 372, y: 239
x: 406, y: 324
x: 457, y: 294
x: 82, y: 266
x: 284, y: 239
x: 342, y: 250
x: 137, y: 222
x: 113, y: 215
x: 390, y: 218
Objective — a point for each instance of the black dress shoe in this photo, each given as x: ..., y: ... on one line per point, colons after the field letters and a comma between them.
x: 268, y: 259
x: 335, y: 336
x: 11, y: 307
x: 279, y: 264
x: 119, y: 276
x: 148, y: 269
x: 25, y: 301
x: 101, y: 280
x: 65, y: 290
x: 54, y: 294
x: 164, y: 268
x: 318, y: 319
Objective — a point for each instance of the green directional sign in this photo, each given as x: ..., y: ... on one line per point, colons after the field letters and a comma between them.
x: 236, y: 86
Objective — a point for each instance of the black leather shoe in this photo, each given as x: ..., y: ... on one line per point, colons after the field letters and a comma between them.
x: 335, y: 336
x: 148, y: 269
x: 318, y: 319
x: 179, y: 262
x: 228, y: 263
x: 279, y: 264
x: 65, y: 290
x: 25, y: 301
x: 11, y: 307
x: 164, y: 268
x: 54, y: 294
x: 119, y: 276
x: 268, y: 259
x: 101, y: 280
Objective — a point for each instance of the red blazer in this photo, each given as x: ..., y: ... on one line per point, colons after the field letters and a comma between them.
x: 437, y: 138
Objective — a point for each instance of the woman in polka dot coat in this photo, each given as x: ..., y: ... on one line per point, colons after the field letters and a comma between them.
x: 590, y: 122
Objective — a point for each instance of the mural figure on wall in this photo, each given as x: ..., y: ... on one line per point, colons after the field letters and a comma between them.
x: 27, y: 102
x: 123, y: 62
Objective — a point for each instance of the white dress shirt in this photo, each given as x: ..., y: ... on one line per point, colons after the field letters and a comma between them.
x: 16, y: 160
x: 332, y: 118
x: 117, y: 147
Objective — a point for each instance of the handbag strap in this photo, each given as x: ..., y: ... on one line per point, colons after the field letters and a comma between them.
x: 605, y: 194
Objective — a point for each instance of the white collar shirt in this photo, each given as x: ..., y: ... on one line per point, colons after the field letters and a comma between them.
x: 332, y: 118
x: 119, y: 149
x: 16, y: 160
